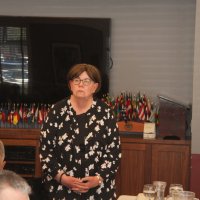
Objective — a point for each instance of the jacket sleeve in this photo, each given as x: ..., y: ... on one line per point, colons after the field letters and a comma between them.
x: 48, y: 157
x: 112, y: 156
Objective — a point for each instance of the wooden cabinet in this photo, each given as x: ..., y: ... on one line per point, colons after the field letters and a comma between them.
x: 133, y: 171
x: 171, y: 163
x: 22, y: 151
x: 144, y: 161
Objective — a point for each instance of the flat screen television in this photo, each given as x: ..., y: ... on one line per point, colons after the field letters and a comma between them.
x: 34, y: 64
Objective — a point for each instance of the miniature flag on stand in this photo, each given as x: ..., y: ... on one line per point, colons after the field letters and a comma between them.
x: 16, y: 117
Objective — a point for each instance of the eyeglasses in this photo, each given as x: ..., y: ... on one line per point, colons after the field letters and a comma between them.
x: 85, y: 82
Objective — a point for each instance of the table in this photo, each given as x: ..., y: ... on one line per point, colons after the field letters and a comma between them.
x: 140, y: 196
x: 127, y: 197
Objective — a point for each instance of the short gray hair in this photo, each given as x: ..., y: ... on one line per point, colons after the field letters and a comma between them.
x: 2, y: 151
x: 11, y: 179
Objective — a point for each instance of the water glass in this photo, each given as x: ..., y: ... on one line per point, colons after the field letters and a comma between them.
x: 183, y: 195
x: 174, y: 187
x: 160, y: 189
x: 149, y: 191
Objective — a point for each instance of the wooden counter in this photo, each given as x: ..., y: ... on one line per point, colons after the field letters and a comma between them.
x: 143, y: 161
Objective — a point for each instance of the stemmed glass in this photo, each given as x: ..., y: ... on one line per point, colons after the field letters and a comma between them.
x: 149, y: 191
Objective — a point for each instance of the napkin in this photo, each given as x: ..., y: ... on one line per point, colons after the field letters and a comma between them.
x: 141, y: 196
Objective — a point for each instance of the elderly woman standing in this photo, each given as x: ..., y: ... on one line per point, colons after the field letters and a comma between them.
x: 80, y: 145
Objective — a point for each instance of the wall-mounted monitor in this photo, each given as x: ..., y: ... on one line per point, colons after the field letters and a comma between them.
x: 37, y: 52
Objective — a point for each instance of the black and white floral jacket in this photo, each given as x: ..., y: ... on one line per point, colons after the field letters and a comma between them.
x: 83, y: 145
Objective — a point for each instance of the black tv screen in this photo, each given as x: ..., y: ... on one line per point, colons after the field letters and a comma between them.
x: 36, y: 54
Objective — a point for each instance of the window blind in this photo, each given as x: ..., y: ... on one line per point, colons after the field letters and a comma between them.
x: 14, y: 56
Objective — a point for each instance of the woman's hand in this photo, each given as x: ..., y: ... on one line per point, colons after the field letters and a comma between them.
x: 80, y: 185
x: 92, y: 181
x: 74, y: 184
x: 85, y: 184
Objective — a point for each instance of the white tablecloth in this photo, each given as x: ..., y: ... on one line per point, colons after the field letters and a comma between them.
x: 139, y: 197
x: 129, y: 197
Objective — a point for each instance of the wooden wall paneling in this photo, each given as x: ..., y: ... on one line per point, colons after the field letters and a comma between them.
x: 170, y: 163
x: 134, y: 167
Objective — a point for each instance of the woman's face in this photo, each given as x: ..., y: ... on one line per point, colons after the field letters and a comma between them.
x: 83, y: 86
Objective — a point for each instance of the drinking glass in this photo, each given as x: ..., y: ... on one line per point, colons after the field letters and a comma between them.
x: 149, y: 191
x: 184, y: 195
x: 174, y: 187
x: 160, y: 189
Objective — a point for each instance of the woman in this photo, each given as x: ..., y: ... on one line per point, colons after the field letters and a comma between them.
x: 80, y: 145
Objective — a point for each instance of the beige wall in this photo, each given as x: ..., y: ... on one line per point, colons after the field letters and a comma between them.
x: 196, y: 86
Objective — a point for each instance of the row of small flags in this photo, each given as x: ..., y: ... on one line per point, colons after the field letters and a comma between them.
x: 126, y: 107
x: 129, y: 107
x: 14, y: 115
